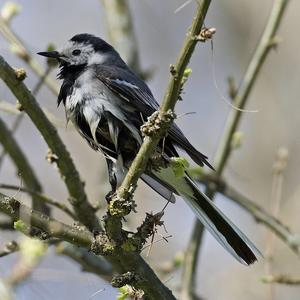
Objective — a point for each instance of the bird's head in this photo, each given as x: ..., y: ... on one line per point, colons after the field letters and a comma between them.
x: 85, y: 49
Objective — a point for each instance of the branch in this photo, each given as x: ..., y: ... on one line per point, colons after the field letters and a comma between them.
x: 165, y: 116
x: 132, y: 261
x: 40, y: 197
x: 261, y: 216
x: 12, y: 109
x: 121, y: 32
x: 281, y: 279
x: 84, y: 211
x: 266, y: 43
x: 53, y: 228
x: 17, y: 122
x: 22, y: 164
x: 19, y: 48
x: 257, y: 212
x: 88, y: 261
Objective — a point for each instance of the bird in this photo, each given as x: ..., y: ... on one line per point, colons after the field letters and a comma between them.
x: 108, y: 103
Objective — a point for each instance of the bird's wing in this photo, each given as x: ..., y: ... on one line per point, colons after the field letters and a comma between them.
x: 136, y: 93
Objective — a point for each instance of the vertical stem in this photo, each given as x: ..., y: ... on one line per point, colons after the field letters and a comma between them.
x: 266, y: 43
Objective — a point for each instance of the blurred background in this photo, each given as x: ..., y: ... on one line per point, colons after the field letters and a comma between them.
x: 160, y: 31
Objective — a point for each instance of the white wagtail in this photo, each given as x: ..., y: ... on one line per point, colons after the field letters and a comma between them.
x: 108, y: 104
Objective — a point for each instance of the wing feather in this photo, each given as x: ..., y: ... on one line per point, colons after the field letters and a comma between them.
x: 134, y: 91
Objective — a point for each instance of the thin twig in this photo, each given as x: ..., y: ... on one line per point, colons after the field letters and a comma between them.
x: 282, y: 231
x: 17, y: 122
x: 261, y: 216
x: 266, y: 43
x: 10, y: 108
x: 78, y: 199
x: 281, y: 279
x: 121, y: 32
x: 21, y: 50
x: 22, y: 164
x: 40, y: 197
x: 276, y: 197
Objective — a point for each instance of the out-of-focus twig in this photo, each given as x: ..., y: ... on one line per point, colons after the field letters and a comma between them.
x: 6, y: 292
x: 78, y: 199
x: 266, y: 43
x: 12, y: 109
x: 281, y: 279
x: 22, y: 165
x: 121, y: 32
x: 31, y: 253
x: 276, y: 197
x: 282, y: 231
x: 17, y: 122
x: 9, y: 248
x: 20, y: 49
x: 40, y: 197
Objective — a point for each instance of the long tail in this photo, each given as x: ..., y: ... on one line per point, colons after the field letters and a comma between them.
x: 225, y: 232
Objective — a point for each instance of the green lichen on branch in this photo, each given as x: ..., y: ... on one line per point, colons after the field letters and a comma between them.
x: 122, y: 205
x: 158, y: 123
x: 102, y: 245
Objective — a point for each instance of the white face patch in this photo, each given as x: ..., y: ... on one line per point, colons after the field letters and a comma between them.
x: 96, y: 58
x: 77, y: 53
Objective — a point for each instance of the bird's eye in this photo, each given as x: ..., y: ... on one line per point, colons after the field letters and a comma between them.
x: 76, y: 52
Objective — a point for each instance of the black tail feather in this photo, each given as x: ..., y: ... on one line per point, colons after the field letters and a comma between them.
x: 222, y: 228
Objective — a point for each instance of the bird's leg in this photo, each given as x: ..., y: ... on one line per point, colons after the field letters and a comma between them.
x: 112, y: 181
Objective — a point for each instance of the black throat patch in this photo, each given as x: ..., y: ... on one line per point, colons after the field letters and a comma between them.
x: 69, y: 73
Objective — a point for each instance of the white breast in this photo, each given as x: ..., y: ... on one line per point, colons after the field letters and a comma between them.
x: 94, y: 98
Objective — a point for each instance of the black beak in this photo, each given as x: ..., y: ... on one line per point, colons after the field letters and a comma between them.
x: 52, y: 54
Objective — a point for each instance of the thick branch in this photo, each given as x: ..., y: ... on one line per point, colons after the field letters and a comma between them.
x: 266, y: 43
x: 130, y: 261
x: 78, y: 198
x: 55, y: 229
